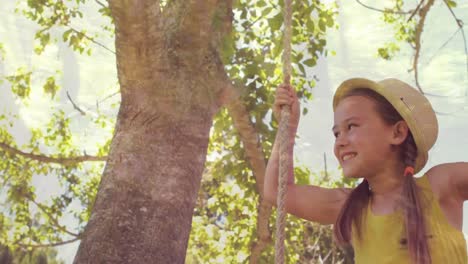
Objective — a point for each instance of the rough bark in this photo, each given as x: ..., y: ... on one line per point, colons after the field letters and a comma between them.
x: 170, y: 78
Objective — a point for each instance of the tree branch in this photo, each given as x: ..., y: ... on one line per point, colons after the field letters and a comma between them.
x: 256, y: 158
x: 460, y: 26
x: 383, y: 10
x: 142, y: 14
x: 443, y: 46
x: 48, y: 245
x: 199, y: 15
x: 418, y: 33
x: 415, y: 10
x: 201, y: 23
x: 47, y: 159
x: 75, y: 106
x: 91, y: 39
x: 101, y: 4
x: 54, y: 221
x: 138, y: 26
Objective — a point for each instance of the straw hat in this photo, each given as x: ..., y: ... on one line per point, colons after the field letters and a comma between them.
x: 414, y: 107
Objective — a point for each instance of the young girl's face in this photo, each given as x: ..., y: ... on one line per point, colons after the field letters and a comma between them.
x: 362, y: 144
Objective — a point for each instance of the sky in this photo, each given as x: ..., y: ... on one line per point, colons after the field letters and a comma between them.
x: 361, y: 33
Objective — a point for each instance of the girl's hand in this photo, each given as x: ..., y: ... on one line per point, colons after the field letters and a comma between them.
x: 286, y: 95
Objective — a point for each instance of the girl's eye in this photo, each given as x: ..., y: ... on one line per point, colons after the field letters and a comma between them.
x: 336, y: 134
x: 351, y: 125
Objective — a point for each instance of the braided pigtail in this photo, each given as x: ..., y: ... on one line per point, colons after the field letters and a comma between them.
x: 415, y: 222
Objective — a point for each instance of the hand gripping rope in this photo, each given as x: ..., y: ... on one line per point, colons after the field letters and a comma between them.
x: 284, y: 139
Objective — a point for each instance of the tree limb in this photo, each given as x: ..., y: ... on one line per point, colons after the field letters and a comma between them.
x: 75, y: 106
x: 443, y: 45
x: 48, y: 245
x: 415, y: 10
x: 383, y: 10
x: 138, y: 26
x: 135, y: 15
x: 418, y: 33
x: 66, y: 161
x: 198, y: 15
x: 256, y: 158
x: 53, y: 219
x: 101, y: 4
x: 91, y: 39
x: 460, y: 26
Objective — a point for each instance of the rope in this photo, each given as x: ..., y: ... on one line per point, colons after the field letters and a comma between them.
x: 284, y: 139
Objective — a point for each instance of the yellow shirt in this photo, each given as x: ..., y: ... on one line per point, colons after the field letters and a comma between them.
x: 382, y: 236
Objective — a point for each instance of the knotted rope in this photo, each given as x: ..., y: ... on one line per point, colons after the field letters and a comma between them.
x: 284, y: 139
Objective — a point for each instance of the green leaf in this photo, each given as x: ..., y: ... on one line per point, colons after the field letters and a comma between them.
x: 301, y: 67
x: 50, y: 87
x: 310, y: 62
x: 451, y: 3
x: 20, y: 83
x: 266, y: 11
x: 276, y: 22
x: 66, y: 35
x: 261, y: 3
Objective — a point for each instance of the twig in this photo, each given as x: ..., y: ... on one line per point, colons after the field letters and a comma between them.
x: 47, y: 159
x: 460, y: 26
x: 105, y: 98
x: 48, y: 245
x: 253, y: 23
x: 91, y: 39
x: 466, y: 55
x: 415, y: 10
x: 101, y: 4
x: 443, y: 45
x: 55, y: 221
x: 109, y: 96
x: 75, y: 106
x: 383, y: 10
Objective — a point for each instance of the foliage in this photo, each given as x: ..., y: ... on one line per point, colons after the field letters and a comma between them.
x: 224, y: 223
x: 408, y: 21
x: 30, y: 219
x: 38, y: 256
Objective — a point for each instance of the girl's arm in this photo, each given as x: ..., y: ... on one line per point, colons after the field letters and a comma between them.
x: 454, y: 183
x: 449, y: 182
x: 309, y: 202
x: 458, y: 178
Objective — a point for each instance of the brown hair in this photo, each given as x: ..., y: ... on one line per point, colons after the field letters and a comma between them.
x: 355, y: 206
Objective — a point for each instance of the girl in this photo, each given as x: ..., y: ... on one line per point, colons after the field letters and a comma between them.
x: 383, y: 133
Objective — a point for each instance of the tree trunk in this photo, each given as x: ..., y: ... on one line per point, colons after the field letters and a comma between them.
x: 171, y: 81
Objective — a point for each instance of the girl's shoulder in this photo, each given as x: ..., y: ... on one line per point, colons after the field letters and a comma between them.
x: 449, y: 181
x: 449, y: 184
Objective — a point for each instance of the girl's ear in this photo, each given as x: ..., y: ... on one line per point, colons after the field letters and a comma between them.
x: 400, y: 132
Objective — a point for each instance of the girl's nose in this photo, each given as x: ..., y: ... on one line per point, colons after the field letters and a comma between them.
x: 341, y: 141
